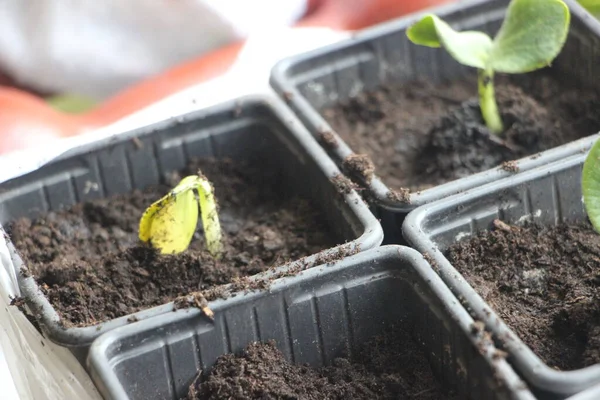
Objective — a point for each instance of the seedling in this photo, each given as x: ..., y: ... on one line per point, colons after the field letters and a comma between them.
x: 531, y: 36
x: 170, y: 223
x: 590, y: 185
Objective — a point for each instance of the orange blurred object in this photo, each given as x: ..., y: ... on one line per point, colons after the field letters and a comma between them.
x: 26, y: 119
x: 358, y: 14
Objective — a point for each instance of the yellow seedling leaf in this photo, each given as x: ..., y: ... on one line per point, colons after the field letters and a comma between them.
x: 169, y: 223
x: 210, y: 218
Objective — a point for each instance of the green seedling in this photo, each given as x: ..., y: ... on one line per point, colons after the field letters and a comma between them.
x: 592, y: 6
x: 531, y: 36
x: 170, y: 223
x: 590, y: 185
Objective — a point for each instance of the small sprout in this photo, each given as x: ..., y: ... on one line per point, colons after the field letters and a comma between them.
x: 590, y: 184
x: 170, y: 223
x: 592, y: 6
x: 532, y: 35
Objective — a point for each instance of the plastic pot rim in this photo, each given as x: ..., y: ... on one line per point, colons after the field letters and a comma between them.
x: 527, y: 362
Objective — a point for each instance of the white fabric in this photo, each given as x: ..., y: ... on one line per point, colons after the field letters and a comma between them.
x: 250, y: 17
x: 35, y: 368
x: 98, y: 47
x: 9, y: 391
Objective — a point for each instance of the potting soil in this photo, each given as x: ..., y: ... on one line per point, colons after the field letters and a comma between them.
x: 420, y: 134
x: 544, y: 282
x: 92, y: 267
x: 389, y: 367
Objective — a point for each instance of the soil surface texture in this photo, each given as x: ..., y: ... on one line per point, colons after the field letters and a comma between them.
x: 389, y: 367
x: 421, y: 135
x: 544, y: 282
x: 92, y: 267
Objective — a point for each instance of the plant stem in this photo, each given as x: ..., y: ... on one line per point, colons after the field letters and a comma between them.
x: 210, y: 217
x: 487, y: 102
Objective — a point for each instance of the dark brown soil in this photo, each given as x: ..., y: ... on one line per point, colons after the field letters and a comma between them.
x: 544, y: 283
x: 421, y: 135
x: 92, y: 267
x: 390, y: 367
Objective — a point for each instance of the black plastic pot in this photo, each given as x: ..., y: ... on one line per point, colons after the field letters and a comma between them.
x: 588, y: 394
x: 383, y: 55
x: 315, y: 317
x: 546, y: 195
x: 249, y: 127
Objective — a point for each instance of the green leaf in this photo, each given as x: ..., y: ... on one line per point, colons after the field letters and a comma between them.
x: 531, y: 36
x: 423, y: 32
x: 71, y: 103
x: 468, y: 48
x: 592, y: 6
x: 169, y: 224
x: 590, y: 184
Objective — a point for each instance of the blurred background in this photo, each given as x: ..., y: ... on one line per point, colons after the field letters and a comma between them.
x: 70, y: 67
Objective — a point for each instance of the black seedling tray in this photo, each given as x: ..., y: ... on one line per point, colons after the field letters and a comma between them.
x: 321, y: 314
x: 382, y: 55
x: 248, y: 127
x: 546, y: 195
